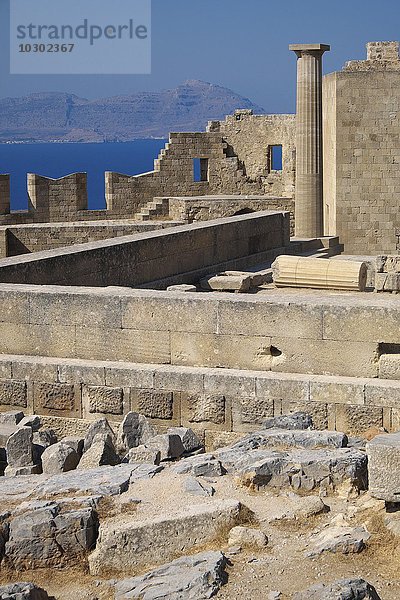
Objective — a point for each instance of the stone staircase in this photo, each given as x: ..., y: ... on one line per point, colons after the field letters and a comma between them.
x: 158, y: 207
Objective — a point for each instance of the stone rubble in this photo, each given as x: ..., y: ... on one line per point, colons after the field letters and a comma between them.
x: 345, y: 589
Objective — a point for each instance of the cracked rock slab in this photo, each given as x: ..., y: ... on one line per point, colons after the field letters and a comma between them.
x: 196, y: 577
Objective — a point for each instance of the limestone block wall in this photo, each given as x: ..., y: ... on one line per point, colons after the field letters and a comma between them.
x: 24, y: 239
x: 305, y: 333
x: 362, y: 155
x: 142, y: 258
x: 250, y: 137
x: 71, y: 393
x: 203, y: 208
x: 4, y: 194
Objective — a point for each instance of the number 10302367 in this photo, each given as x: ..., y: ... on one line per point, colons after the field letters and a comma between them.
x: 40, y: 48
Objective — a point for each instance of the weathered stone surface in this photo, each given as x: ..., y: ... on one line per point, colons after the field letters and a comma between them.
x: 276, y: 438
x: 47, y: 537
x: 122, y: 547
x: 339, y: 537
x: 100, y: 453
x: 383, y: 467
x: 11, y: 418
x: 103, y: 481
x: 196, y: 577
x: 188, y: 437
x: 203, y: 465
x: 227, y: 283
x: 101, y: 399
x: 5, y: 432
x: 301, y: 507
x: 27, y: 470
x: 74, y: 442
x: 155, y: 404
x: 206, y: 407
x: 99, y: 429
x: 57, y: 397
x: 297, y: 420
x: 182, y: 287
x: 13, y: 393
x: 59, y: 458
x: 169, y: 445
x: 247, y: 537
x: 195, y: 487
x: 44, y: 437
x: 19, y: 448
x: 143, y: 454
x: 301, y: 469
x: 23, y: 591
x: 32, y: 421
x: 344, y: 589
x: 134, y: 430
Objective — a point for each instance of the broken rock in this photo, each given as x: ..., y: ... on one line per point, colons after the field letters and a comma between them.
x: 344, y: 589
x: 23, y: 591
x: 188, y: 437
x: 169, y: 445
x: 299, y: 420
x: 247, y: 537
x: 143, y: 454
x: 99, y: 429
x: 100, y: 453
x: 339, y: 537
x: 383, y: 472
x: 193, y: 486
x: 135, y: 430
x: 59, y: 458
x: 19, y: 448
x: 196, y: 577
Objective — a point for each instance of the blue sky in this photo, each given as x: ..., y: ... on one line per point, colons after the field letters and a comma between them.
x: 239, y: 44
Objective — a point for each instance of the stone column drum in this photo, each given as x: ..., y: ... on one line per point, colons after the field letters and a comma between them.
x: 309, y: 193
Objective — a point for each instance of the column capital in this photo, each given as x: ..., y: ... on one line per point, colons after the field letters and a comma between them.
x: 301, y: 49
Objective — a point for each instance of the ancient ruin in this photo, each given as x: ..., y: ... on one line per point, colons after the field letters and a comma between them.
x: 200, y: 384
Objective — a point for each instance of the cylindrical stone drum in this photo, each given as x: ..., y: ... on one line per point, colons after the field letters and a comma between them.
x: 319, y: 273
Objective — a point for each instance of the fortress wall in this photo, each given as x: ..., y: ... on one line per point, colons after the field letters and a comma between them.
x: 251, y: 136
x: 24, y: 239
x: 366, y: 179
x: 202, y: 208
x: 142, y: 258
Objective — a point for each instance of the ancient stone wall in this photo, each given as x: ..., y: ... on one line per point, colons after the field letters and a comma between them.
x: 24, y: 239
x: 204, y: 208
x: 142, y: 258
x: 251, y: 137
x: 362, y: 153
x: 279, y: 331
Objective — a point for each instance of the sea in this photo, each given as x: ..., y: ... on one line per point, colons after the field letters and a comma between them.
x: 60, y: 159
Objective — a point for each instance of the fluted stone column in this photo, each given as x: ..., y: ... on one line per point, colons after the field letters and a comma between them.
x: 309, y: 197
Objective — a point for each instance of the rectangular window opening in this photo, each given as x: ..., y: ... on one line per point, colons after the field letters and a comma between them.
x: 275, y: 158
x: 200, y: 169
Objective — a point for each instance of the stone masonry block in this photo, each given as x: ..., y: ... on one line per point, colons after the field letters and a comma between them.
x: 13, y: 393
x: 154, y: 404
x: 383, y: 472
x: 283, y: 319
x: 283, y: 387
x: 101, y: 399
x: 204, y: 408
x: 36, y: 369
x: 14, y: 307
x: 358, y: 419
x: 362, y: 323
x: 326, y: 357
x: 337, y: 390
x: 249, y: 413
x: 383, y: 393
x: 73, y: 373
x: 227, y: 351
x: 169, y: 313
x: 179, y: 379
x: 389, y: 366
x: 233, y: 383
x: 56, y: 399
x: 131, y: 375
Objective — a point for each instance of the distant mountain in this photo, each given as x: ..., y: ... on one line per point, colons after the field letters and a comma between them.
x: 61, y: 117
